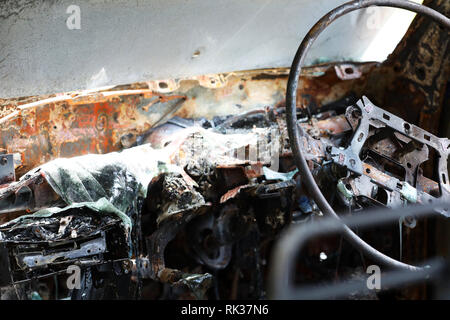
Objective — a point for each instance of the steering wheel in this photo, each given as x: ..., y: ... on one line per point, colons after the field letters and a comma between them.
x: 296, y: 132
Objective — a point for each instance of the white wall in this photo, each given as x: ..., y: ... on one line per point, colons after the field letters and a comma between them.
x: 128, y: 41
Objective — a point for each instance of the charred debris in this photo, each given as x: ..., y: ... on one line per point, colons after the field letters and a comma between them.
x: 141, y: 192
x: 195, y: 216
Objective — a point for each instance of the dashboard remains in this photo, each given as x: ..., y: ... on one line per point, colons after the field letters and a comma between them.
x: 179, y: 189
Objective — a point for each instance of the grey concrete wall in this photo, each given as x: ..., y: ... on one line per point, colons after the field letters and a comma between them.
x: 127, y: 41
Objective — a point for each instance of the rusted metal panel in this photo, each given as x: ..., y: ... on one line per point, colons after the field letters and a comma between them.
x: 412, y: 82
x: 68, y: 127
x: 71, y: 124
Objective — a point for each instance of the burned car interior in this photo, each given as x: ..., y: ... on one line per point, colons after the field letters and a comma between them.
x: 268, y: 183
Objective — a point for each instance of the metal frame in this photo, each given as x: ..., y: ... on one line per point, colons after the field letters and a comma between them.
x: 287, y: 248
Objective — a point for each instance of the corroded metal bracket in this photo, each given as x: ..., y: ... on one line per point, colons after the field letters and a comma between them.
x: 364, y: 115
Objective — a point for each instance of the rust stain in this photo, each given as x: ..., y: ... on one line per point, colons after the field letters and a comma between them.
x: 66, y: 125
x: 233, y: 193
